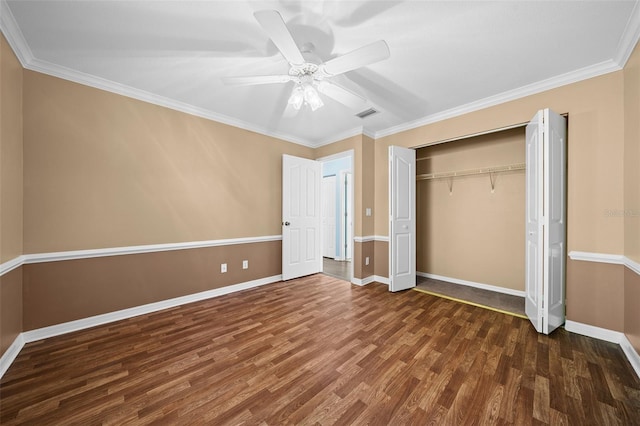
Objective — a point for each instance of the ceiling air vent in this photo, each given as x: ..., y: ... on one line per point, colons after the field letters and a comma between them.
x: 366, y: 113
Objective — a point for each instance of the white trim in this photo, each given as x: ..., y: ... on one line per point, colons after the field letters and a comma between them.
x: 632, y: 264
x: 631, y: 353
x: 521, y: 92
x: 81, y: 324
x: 14, y: 36
x: 11, y: 353
x: 151, y: 248
x: 593, y: 331
x: 356, y: 131
x: 120, y: 251
x: 381, y: 280
x: 370, y: 279
x: 12, y: 264
x: 362, y: 281
x: 630, y: 37
x: 616, y: 259
x: 80, y: 77
x: 350, y: 153
x: 608, y: 336
x: 18, y: 43
x: 368, y: 238
x: 512, y: 292
x: 55, y: 330
x: 365, y: 239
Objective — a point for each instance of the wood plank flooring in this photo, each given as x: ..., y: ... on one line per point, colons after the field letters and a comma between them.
x: 320, y: 351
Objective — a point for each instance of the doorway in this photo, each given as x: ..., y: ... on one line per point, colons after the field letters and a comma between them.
x: 337, y: 215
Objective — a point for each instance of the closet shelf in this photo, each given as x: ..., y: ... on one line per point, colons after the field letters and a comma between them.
x: 471, y: 172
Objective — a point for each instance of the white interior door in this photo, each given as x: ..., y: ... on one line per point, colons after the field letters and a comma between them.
x: 545, y: 220
x: 329, y: 216
x: 402, y: 213
x: 301, y: 239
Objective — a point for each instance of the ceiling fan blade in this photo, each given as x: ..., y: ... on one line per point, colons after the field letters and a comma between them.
x: 256, y: 79
x: 361, y: 57
x: 341, y: 95
x: 275, y: 27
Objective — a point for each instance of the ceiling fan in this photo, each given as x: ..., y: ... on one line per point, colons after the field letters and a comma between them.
x: 311, y: 78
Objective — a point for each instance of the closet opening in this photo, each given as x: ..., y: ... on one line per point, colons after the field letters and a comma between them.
x: 470, y: 219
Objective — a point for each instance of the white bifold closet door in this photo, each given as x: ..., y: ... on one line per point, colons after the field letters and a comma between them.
x: 546, y: 136
x: 402, y: 214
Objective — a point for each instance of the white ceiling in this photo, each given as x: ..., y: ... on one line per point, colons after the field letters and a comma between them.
x: 446, y: 57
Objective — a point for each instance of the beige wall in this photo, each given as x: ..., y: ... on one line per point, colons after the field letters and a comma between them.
x: 632, y: 156
x: 10, y: 193
x: 595, y: 153
x: 632, y: 196
x: 595, y: 294
x: 470, y: 232
x: 10, y: 154
x: 104, y: 170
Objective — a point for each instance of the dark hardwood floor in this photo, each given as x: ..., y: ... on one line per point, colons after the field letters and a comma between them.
x: 320, y: 351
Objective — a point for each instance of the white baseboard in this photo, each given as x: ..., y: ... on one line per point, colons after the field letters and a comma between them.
x: 68, y: 327
x: 370, y: 279
x: 632, y: 355
x: 362, y: 281
x: 593, y: 331
x: 55, y: 330
x: 489, y: 287
x: 381, y: 280
x: 10, y: 354
x: 608, y: 336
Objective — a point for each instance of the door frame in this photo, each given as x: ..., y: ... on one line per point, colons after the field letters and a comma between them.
x: 323, y: 196
x: 345, y: 154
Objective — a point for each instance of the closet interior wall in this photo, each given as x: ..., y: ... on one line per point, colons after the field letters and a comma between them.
x: 471, y: 227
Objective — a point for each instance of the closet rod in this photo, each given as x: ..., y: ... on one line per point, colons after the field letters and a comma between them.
x: 482, y: 171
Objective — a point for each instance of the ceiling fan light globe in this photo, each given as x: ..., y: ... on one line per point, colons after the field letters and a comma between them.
x: 297, y: 98
x: 312, y: 98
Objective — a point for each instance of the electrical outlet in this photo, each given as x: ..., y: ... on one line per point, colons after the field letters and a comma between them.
x: 366, y: 260
x: 223, y: 268
x: 367, y: 211
x: 245, y: 264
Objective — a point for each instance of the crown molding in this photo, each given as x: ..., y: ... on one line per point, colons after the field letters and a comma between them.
x: 18, y: 43
x: 630, y: 37
x: 80, y: 77
x: 510, y: 95
x: 13, y: 34
x: 356, y: 131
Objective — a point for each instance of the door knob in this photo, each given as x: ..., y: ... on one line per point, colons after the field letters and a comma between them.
x: 286, y: 223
